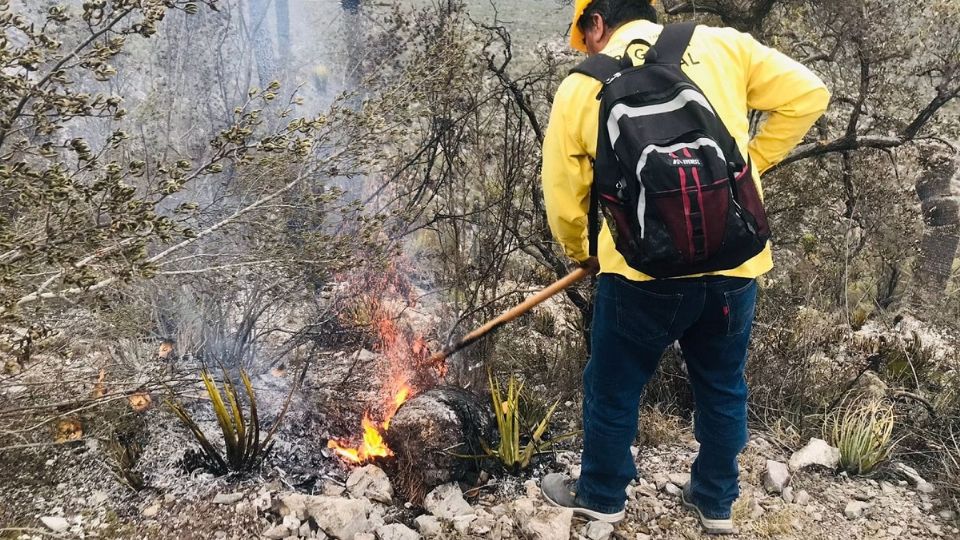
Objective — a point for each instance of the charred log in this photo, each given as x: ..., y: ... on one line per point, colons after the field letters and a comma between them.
x: 436, y: 439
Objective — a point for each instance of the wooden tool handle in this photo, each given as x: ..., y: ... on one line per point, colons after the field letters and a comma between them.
x: 525, y: 306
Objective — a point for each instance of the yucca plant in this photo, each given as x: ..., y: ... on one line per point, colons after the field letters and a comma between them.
x: 512, y: 454
x: 243, y: 448
x: 863, y: 431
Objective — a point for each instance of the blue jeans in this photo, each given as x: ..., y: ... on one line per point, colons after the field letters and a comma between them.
x: 633, y: 324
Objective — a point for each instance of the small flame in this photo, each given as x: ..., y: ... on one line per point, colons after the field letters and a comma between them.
x: 384, y: 296
x: 373, y: 445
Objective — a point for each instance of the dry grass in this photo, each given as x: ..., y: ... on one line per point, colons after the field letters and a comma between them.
x: 658, y: 427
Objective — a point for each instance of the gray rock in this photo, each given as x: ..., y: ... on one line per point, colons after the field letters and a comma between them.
x: 801, y: 497
x: 291, y: 522
x: 673, y: 489
x: 98, y: 497
x: 276, y: 532
x: 55, y: 523
x: 397, y: 531
x: 334, y: 490
x: 227, y: 498
x: 911, y: 474
x: 756, y: 511
x: 364, y: 536
x: 151, y: 510
x: 787, y: 495
x: 598, y: 530
x: 855, y: 509
x: 503, y: 529
x: 660, y: 480
x: 679, y: 479
x: 364, y: 355
x: 532, y: 488
x: 461, y: 524
x: 370, y: 482
x: 548, y: 523
x: 338, y: 517
x: 483, y: 525
x: 926, y: 488
x: 816, y: 452
x: 776, y: 477
x: 447, y: 502
x: 428, y: 525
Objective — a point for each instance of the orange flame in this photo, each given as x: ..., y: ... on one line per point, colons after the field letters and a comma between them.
x: 373, y: 445
x: 384, y: 296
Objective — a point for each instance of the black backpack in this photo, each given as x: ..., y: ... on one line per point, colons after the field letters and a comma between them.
x: 676, y: 192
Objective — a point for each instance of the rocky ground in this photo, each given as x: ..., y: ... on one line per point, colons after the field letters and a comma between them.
x: 783, y: 497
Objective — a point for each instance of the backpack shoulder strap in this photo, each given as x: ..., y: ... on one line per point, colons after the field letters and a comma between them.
x: 673, y: 42
x: 599, y: 66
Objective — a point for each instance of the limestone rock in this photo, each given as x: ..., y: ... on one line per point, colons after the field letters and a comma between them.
x: 776, y: 477
x: 429, y: 526
x: 787, y: 495
x: 549, y: 523
x: 816, y: 452
x: 397, y: 531
x: 276, y: 532
x: 461, y: 524
x: 338, y: 517
x: 55, y: 523
x: 802, y: 497
x: 227, y: 498
x: 914, y: 477
x: 855, y: 509
x: 679, y: 479
x: 673, y: 489
x: 447, y: 502
x: 370, y: 482
x: 598, y: 530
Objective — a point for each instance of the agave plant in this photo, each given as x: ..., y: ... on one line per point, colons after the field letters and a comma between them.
x: 863, y: 432
x: 510, y: 451
x: 243, y: 447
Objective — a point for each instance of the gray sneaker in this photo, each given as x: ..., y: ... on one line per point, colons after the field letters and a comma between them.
x: 710, y: 525
x: 560, y: 490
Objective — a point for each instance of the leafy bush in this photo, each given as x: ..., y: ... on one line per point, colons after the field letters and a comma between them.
x: 243, y: 448
x: 863, y: 432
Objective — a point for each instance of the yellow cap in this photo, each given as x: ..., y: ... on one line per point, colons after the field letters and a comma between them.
x: 576, y: 35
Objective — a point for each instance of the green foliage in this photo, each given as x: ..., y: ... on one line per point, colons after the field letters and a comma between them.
x: 243, y: 447
x: 511, y: 453
x: 863, y: 431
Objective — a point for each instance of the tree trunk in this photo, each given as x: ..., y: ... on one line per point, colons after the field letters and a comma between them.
x: 262, y: 44
x: 433, y: 435
x: 939, y: 192
x: 284, y: 51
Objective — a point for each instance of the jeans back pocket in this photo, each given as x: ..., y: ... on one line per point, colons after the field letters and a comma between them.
x: 644, y: 315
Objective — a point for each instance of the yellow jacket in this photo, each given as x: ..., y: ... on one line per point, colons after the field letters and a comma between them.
x: 735, y: 72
